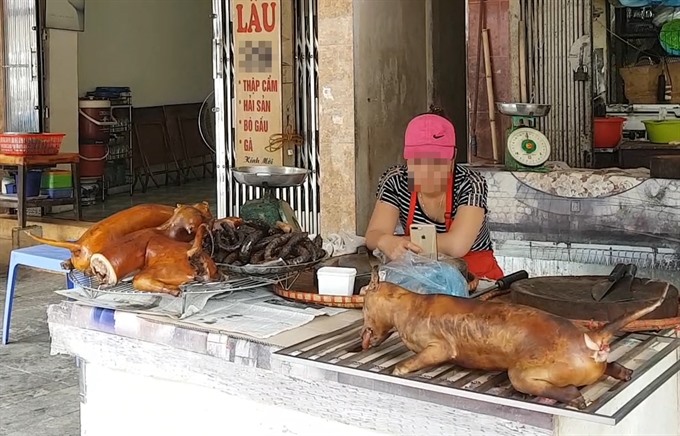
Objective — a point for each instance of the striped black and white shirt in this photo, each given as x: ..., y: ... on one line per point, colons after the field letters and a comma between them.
x: 470, y: 189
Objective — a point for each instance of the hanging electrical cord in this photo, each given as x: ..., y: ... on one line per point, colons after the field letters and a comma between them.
x: 623, y: 40
x: 279, y: 140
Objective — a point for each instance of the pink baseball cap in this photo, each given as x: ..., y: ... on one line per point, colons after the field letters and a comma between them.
x: 430, y: 136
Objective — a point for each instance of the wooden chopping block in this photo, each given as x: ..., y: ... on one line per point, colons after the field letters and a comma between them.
x: 570, y: 298
x: 665, y: 167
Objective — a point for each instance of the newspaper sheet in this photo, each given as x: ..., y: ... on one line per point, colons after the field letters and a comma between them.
x: 256, y: 312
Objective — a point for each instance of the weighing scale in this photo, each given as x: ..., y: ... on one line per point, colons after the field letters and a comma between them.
x: 269, y: 208
x: 527, y: 149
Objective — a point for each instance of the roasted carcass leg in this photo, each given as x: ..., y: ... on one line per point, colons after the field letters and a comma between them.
x: 170, y: 264
x: 128, y: 254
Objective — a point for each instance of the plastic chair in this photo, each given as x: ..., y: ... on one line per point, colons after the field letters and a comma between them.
x: 42, y: 257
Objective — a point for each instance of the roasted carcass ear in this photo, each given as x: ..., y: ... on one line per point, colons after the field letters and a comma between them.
x: 103, y: 233
x: 128, y: 254
x: 171, y: 264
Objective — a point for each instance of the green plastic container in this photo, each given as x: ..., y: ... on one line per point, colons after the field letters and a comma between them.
x: 56, y: 179
x: 663, y: 132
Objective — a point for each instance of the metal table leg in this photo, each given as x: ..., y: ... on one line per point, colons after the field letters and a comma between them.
x: 21, y: 195
x: 77, y: 209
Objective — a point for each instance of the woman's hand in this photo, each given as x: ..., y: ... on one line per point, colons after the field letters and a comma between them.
x: 396, y: 246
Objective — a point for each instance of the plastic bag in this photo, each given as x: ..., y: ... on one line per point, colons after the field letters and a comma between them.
x: 424, y: 276
x: 664, y: 14
x: 339, y: 244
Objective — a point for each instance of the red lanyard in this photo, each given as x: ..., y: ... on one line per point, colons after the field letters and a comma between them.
x: 447, y: 213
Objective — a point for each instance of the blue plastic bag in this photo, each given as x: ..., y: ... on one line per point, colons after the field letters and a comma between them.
x: 424, y: 276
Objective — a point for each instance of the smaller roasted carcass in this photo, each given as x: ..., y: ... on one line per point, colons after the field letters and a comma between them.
x: 171, y: 264
x: 127, y: 254
x: 101, y: 234
x: 98, y: 236
x: 545, y: 355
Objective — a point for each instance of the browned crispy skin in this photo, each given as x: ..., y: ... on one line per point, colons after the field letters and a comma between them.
x: 103, y: 233
x: 98, y: 236
x: 170, y: 264
x: 127, y: 254
x: 545, y: 355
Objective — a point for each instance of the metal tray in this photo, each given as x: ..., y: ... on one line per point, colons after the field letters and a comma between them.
x: 338, y: 352
x: 270, y: 176
x: 523, y: 109
x: 93, y: 287
x: 268, y: 270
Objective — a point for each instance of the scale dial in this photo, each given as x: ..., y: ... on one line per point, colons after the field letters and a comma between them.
x: 528, y: 147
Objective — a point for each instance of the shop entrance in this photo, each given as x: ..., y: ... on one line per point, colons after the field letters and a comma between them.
x: 230, y: 194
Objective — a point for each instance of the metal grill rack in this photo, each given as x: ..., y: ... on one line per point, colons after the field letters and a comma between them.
x: 336, y: 353
x: 94, y: 288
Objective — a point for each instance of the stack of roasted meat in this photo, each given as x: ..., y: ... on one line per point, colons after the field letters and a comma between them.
x: 163, y: 247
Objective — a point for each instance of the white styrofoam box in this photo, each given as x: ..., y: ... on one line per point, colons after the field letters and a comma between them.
x: 336, y: 281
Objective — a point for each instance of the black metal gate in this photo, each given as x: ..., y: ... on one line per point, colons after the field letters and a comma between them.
x: 231, y: 195
x: 559, y: 73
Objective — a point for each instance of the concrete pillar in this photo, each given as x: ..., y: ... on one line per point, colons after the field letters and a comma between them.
x: 336, y: 116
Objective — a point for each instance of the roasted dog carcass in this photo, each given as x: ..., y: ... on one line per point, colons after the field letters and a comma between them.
x: 127, y: 255
x: 106, y: 231
x: 170, y: 264
x: 545, y: 355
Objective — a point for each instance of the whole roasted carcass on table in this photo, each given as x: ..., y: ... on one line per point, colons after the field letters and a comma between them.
x: 544, y: 354
x: 163, y: 247
x: 141, y: 239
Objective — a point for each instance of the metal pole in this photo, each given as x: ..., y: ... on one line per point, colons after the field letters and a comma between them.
x: 222, y: 131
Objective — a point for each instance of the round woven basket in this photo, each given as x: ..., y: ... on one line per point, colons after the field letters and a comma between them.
x: 343, y: 302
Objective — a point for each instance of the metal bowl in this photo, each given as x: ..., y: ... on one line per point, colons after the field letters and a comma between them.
x: 270, y: 176
x: 523, y: 109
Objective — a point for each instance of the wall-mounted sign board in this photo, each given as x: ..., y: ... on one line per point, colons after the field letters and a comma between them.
x: 260, y: 58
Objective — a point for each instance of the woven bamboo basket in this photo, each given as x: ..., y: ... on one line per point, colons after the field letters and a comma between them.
x: 641, y: 82
x: 305, y: 292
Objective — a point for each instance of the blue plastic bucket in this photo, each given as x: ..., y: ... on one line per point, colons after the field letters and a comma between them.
x: 33, y: 180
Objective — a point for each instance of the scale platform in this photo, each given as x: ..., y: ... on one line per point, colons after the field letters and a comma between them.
x: 269, y: 208
x: 527, y: 149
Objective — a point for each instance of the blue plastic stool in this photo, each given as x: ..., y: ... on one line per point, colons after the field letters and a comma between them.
x: 40, y: 257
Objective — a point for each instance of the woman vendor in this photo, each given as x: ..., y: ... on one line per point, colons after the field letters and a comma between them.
x: 432, y: 189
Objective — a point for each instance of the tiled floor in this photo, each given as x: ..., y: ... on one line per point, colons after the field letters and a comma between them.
x: 191, y: 192
x: 38, y: 392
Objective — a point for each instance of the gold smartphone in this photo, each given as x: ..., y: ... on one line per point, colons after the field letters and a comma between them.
x: 425, y: 236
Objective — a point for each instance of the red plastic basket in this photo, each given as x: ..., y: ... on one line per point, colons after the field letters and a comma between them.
x: 30, y: 144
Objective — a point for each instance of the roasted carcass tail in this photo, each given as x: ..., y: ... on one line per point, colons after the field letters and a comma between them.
x: 605, y: 334
x: 73, y: 247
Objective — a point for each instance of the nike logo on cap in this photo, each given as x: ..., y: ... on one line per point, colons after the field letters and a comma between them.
x: 437, y: 136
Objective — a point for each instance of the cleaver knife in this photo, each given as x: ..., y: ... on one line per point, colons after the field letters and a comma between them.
x: 622, y: 289
x: 601, y: 289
